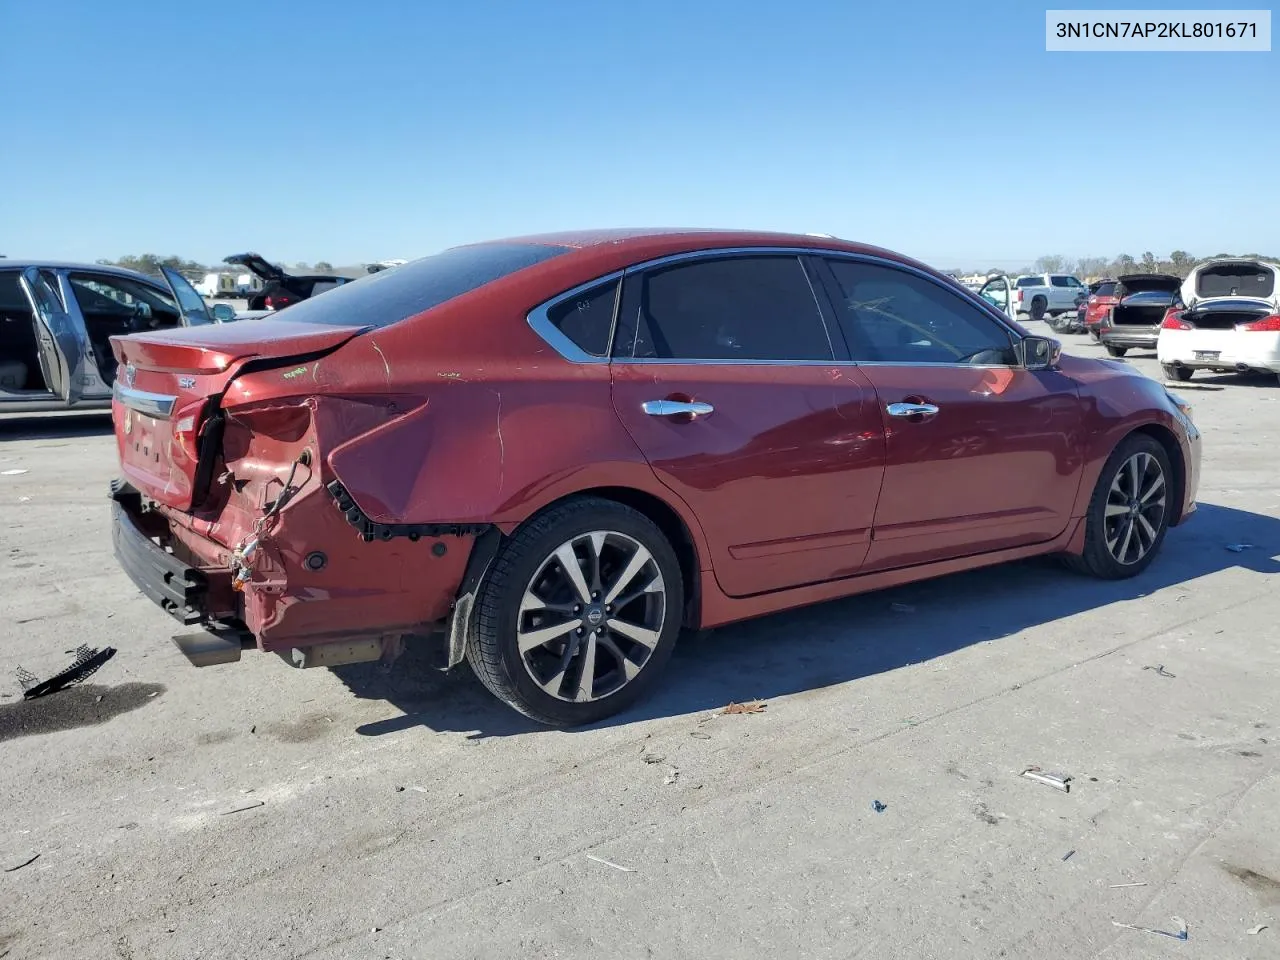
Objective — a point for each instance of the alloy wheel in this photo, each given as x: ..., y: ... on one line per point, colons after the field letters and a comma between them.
x: 1135, y: 509
x: 591, y: 616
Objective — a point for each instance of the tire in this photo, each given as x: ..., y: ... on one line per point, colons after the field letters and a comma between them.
x: 1116, y: 351
x: 1181, y: 374
x: 543, y: 682
x: 1038, y: 305
x: 1107, y: 539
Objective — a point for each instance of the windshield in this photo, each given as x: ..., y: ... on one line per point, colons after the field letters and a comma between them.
x: 383, y: 298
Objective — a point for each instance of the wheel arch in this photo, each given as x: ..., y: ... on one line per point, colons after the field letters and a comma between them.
x: 689, y: 548
x: 1173, y: 450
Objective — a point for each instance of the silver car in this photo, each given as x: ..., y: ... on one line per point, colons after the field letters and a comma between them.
x: 56, y: 321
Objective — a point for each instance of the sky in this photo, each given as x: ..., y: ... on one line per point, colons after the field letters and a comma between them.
x: 352, y: 132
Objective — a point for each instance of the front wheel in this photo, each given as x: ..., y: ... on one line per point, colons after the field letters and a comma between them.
x: 1129, y: 511
x: 1174, y: 372
x: 579, y: 613
x: 1116, y: 351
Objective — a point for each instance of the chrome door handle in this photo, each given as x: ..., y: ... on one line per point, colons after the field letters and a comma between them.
x: 675, y: 408
x: 911, y: 409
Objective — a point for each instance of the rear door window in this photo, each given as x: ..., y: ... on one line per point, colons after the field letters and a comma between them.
x: 1061, y: 281
x: 892, y: 316
x: 745, y: 308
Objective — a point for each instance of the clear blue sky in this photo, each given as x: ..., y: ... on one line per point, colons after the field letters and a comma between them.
x: 357, y: 131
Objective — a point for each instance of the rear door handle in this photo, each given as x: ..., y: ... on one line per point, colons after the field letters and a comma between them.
x: 676, y: 408
x: 911, y: 409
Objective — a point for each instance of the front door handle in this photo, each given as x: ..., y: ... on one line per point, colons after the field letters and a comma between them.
x: 912, y: 409
x: 676, y: 408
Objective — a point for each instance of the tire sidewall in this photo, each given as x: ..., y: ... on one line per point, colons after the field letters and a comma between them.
x: 1096, y: 535
x: 534, y: 551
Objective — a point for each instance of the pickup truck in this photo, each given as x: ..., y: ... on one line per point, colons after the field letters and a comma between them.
x: 1048, y: 294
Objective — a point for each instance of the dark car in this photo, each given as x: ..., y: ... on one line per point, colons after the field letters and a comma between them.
x: 281, y: 289
x: 558, y: 451
x: 1133, y: 321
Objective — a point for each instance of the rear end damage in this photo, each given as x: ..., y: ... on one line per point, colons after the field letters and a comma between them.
x: 230, y: 516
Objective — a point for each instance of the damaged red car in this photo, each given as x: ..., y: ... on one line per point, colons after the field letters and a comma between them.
x: 550, y: 455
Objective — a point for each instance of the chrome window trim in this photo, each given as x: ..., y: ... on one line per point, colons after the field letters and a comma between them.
x: 159, y: 405
x: 540, y: 322
x: 539, y: 319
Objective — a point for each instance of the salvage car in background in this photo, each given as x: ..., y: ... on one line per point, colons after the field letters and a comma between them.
x: 1230, y: 321
x: 279, y: 288
x: 1046, y: 294
x: 1141, y: 301
x: 57, y: 319
x: 563, y: 449
x: 1099, y: 299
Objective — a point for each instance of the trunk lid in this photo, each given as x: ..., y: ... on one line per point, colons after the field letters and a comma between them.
x: 166, y: 397
x: 1147, y: 283
x: 257, y: 264
x: 1236, y: 279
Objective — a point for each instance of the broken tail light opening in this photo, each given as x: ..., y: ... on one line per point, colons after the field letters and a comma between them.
x: 1173, y: 320
x: 1269, y: 324
x: 187, y: 425
x: 1020, y: 292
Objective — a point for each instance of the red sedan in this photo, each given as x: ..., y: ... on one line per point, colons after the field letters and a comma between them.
x: 561, y: 450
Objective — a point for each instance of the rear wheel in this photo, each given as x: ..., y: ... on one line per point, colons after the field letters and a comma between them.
x: 1129, y: 511
x: 1173, y: 372
x: 579, y: 613
x: 1038, y: 305
x: 1116, y: 351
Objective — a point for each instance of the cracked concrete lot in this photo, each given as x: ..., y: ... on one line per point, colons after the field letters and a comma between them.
x: 873, y: 809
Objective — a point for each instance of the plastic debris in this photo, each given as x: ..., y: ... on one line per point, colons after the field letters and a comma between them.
x: 24, y: 863
x: 1136, y: 883
x: 1239, y: 547
x: 86, y: 664
x: 1161, y: 671
x: 652, y: 758
x: 1068, y: 855
x: 879, y: 807
x: 1058, y: 781
x: 752, y: 706
x: 610, y: 863
x: 1254, y: 931
x: 1177, y: 921
x: 672, y: 776
x: 247, y: 806
x: 699, y: 735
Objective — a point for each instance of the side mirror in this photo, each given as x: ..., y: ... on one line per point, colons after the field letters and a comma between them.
x: 223, y: 312
x: 1039, y: 353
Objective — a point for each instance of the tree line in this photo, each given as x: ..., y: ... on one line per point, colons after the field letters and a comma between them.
x: 1179, y: 263
x: 151, y: 263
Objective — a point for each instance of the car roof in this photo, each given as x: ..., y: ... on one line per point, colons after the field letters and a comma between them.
x: 642, y: 242
x: 12, y: 264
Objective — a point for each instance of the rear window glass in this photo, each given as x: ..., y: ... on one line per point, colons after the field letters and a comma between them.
x: 1104, y: 289
x: 1029, y: 282
x: 587, y: 319
x: 1236, y: 280
x: 389, y: 296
